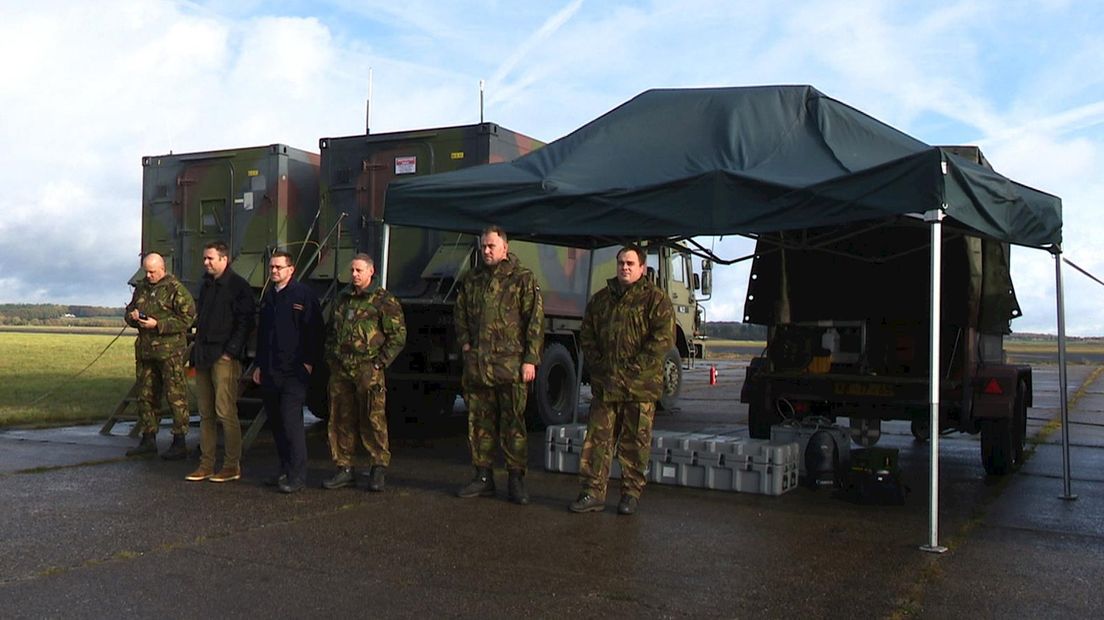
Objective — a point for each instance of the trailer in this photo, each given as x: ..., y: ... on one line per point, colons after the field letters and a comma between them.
x: 848, y: 334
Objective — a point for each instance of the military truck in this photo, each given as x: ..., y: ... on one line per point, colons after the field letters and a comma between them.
x: 422, y: 268
x: 254, y: 198
x: 848, y: 335
x: 325, y: 208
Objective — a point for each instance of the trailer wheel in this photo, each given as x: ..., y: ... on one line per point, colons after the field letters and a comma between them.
x: 921, y: 430
x: 553, y: 395
x: 762, y: 415
x: 672, y: 381
x: 997, y: 450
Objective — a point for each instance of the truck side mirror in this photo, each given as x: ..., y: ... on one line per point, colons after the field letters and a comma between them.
x: 697, y: 282
x: 707, y: 277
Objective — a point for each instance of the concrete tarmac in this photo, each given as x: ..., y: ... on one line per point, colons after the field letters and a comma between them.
x: 87, y: 533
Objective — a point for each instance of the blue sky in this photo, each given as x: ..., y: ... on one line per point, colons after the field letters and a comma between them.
x: 87, y: 89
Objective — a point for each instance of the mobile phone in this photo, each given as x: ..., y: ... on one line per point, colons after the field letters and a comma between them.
x: 142, y: 316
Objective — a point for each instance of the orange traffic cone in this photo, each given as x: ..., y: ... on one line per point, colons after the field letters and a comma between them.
x: 713, y: 375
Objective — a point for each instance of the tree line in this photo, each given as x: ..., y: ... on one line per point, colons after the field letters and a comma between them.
x: 734, y: 330
x: 58, y: 314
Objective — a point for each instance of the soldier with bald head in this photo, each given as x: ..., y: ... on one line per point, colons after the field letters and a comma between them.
x: 163, y: 311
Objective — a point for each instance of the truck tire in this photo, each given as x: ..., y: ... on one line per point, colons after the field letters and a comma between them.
x: 672, y: 382
x: 997, y: 450
x: 553, y: 395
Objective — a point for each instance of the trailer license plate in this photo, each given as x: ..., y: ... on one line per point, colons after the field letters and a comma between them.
x: 863, y: 389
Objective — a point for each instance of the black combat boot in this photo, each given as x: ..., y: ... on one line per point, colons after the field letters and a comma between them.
x: 515, y: 488
x: 178, y: 451
x: 587, y: 503
x: 482, y: 485
x: 375, y: 478
x: 343, y: 478
x: 627, y: 505
x: 146, y: 447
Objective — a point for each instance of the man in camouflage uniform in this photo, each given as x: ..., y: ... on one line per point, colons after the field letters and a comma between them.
x: 628, y: 327
x: 500, y: 330
x: 366, y: 334
x: 163, y: 311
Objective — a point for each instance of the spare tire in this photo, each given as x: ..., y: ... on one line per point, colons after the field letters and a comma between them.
x: 554, y: 393
x: 672, y: 381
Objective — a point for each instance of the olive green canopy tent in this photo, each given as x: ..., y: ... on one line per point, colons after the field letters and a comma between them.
x: 677, y: 163
x: 722, y: 161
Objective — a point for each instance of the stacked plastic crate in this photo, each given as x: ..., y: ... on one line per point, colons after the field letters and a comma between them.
x: 564, y: 447
x: 728, y: 462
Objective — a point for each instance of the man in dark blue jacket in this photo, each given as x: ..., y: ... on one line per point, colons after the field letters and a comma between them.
x: 224, y: 320
x: 289, y: 347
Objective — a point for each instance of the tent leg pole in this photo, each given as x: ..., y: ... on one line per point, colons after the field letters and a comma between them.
x: 1063, y: 381
x: 935, y: 218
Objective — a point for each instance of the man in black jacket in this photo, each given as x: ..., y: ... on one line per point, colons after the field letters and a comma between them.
x: 289, y: 347
x: 225, y: 318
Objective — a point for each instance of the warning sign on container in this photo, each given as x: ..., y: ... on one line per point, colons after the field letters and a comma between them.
x: 406, y: 165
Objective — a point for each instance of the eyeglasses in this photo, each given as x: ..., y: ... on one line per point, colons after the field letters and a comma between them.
x: 278, y: 267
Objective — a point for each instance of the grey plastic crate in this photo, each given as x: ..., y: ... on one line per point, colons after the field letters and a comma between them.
x: 565, y: 433
x: 765, y: 479
x: 560, y: 457
x: 565, y: 458
x: 689, y: 446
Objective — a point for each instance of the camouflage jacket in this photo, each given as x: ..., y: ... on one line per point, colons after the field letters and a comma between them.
x: 173, y: 307
x: 367, y: 328
x: 626, y: 333
x: 500, y: 315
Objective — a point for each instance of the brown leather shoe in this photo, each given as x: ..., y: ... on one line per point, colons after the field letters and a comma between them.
x: 201, y: 473
x: 227, y: 474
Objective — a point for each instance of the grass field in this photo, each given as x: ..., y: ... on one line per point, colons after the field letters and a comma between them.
x: 39, y: 386
x: 35, y: 364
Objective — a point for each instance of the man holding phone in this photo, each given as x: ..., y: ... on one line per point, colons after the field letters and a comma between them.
x: 163, y: 311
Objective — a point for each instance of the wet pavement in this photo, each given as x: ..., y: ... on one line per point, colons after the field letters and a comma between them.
x: 86, y: 533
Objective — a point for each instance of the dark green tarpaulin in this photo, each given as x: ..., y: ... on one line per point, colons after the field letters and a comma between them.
x: 717, y: 161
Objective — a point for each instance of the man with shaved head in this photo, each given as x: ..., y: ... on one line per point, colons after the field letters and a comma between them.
x: 163, y: 311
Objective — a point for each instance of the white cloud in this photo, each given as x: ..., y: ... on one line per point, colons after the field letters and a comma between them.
x: 96, y: 86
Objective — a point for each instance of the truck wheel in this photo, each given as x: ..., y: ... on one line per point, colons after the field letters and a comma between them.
x: 997, y: 451
x: 672, y: 381
x: 553, y: 396
x: 762, y: 415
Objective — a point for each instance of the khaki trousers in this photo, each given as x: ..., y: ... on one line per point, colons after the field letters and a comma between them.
x: 217, y: 397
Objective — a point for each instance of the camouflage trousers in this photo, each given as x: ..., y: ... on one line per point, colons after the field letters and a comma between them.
x: 358, y: 408
x: 157, y: 378
x: 626, y: 426
x: 497, y: 415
